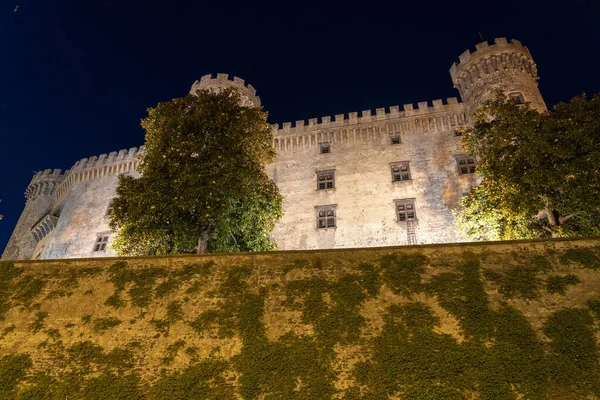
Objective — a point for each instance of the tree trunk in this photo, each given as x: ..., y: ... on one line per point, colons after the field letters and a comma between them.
x: 554, y: 221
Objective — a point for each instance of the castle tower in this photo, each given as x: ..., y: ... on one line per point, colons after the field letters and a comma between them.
x: 35, y: 221
x: 503, y: 66
x: 222, y: 81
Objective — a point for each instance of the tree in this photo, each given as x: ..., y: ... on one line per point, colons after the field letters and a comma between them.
x: 540, y: 171
x: 202, y: 178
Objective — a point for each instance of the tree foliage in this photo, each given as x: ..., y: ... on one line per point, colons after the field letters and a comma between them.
x: 540, y: 171
x: 202, y: 177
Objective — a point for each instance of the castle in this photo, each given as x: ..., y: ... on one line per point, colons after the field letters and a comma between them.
x: 388, y: 178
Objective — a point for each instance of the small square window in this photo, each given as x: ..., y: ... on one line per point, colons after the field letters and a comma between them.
x: 395, y: 138
x: 101, y: 242
x: 400, y: 171
x: 325, y: 180
x: 466, y: 165
x: 325, y: 147
x: 405, y: 210
x: 326, y: 217
x: 516, y: 98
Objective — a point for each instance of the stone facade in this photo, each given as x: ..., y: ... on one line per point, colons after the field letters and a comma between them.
x: 376, y: 179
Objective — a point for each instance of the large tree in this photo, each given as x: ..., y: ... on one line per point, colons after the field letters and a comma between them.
x: 202, y: 178
x: 540, y: 171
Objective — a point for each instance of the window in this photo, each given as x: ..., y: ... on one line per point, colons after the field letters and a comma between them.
x: 405, y: 210
x: 324, y: 147
x: 516, y: 98
x: 109, y: 208
x: 395, y: 138
x: 325, y: 179
x: 400, y: 171
x: 466, y: 165
x: 101, y: 242
x: 325, y: 217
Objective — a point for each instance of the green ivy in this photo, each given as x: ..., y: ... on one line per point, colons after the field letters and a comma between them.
x: 402, y: 272
x: 464, y: 296
x: 38, y: 324
x: 13, y: 369
x: 585, y: 257
x: 558, y: 284
x: 103, y: 324
x: 574, y: 364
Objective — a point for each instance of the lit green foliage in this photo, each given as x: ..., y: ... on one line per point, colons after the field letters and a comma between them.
x: 9, y: 329
x: 102, y: 324
x: 38, y: 324
x: 27, y: 289
x: 402, y: 273
x: 594, y: 305
x: 205, y: 380
x: 540, y: 171
x: 521, y: 281
x: 13, y: 369
x: 203, y: 176
x: 496, y: 354
x: 172, y: 351
x: 587, y: 258
x: 8, y: 272
x: 573, y: 360
x: 464, y: 296
x: 558, y: 284
x: 111, y: 386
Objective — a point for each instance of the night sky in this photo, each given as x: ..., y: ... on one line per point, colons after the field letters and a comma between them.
x: 76, y: 77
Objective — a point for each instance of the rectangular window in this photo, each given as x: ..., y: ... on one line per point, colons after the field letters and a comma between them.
x: 466, y: 165
x: 325, y: 147
x: 101, y: 242
x: 109, y: 208
x: 400, y: 171
x: 516, y: 98
x: 405, y: 210
x: 325, y: 216
x: 325, y: 179
x: 395, y: 138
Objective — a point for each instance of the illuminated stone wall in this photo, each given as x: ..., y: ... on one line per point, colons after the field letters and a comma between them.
x: 361, y: 151
x: 501, y: 320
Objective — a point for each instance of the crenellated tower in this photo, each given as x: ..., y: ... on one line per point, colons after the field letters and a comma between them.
x: 503, y: 66
x: 222, y: 81
x: 37, y: 220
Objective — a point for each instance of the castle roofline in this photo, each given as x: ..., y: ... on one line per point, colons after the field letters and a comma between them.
x: 381, y: 114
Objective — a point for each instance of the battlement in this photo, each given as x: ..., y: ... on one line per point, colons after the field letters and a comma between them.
x: 381, y: 114
x: 43, y: 183
x: 222, y: 81
x: 500, y: 55
x: 106, y: 159
x: 112, y: 164
x: 46, y: 175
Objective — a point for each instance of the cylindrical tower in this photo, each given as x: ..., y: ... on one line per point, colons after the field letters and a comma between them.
x: 503, y: 66
x: 222, y: 81
x: 40, y: 199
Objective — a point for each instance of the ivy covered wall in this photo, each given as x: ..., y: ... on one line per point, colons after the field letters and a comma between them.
x: 495, y: 321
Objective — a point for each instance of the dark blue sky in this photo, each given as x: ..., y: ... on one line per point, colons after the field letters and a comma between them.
x: 77, y: 76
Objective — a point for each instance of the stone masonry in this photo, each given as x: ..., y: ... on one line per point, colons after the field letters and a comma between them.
x: 355, y: 180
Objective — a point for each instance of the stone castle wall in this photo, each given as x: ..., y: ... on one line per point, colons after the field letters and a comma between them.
x: 361, y: 152
x: 504, y: 66
x: 70, y: 213
x: 497, y: 320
